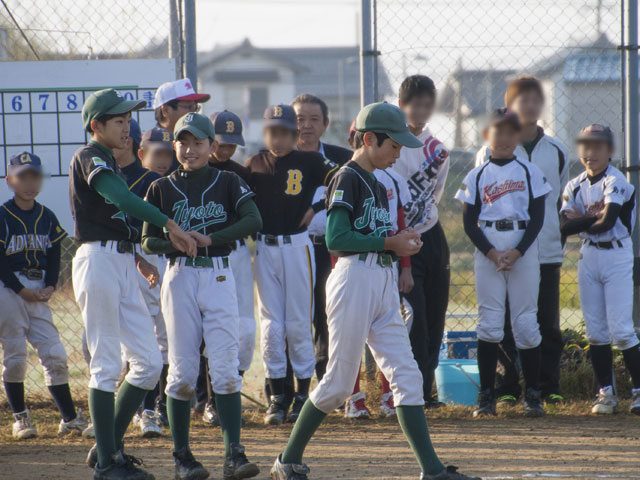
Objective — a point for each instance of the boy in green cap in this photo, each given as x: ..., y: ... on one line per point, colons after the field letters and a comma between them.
x: 198, y: 293
x: 362, y: 295
x: 116, y: 320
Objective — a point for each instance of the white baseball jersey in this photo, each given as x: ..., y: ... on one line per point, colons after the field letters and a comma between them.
x: 425, y: 170
x: 504, y: 192
x: 589, y: 198
x: 397, y: 192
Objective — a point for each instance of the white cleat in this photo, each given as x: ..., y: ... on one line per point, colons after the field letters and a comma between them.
x: 23, y: 426
x: 356, y: 408
x: 149, y: 424
x: 387, y: 408
x: 606, y: 402
x: 77, y: 425
x: 89, y: 432
x: 635, y: 401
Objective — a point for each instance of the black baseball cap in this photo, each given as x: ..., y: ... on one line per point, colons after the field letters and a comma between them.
x: 157, y: 138
x: 503, y: 115
x: 280, y: 115
x: 228, y: 128
x: 595, y: 132
x: 22, y: 162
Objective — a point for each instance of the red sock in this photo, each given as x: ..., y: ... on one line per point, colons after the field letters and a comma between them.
x: 386, y: 388
x: 356, y: 387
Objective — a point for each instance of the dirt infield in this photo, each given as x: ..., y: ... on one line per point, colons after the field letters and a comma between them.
x: 570, y: 444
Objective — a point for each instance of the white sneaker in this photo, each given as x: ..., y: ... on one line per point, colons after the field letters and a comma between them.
x: 606, y: 402
x: 77, y: 425
x: 89, y: 432
x: 136, y: 418
x: 387, y: 408
x: 149, y: 424
x: 23, y: 426
x: 635, y: 401
x: 356, y: 408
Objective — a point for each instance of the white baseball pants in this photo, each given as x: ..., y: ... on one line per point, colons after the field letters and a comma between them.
x: 240, y: 260
x: 152, y: 300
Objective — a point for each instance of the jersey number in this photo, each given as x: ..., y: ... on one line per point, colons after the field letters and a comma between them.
x: 294, y: 182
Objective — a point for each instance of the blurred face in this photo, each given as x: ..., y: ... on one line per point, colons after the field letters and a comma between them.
x: 311, y: 123
x: 594, y: 155
x: 193, y: 153
x: 528, y: 106
x: 27, y: 185
x: 157, y: 160
x: 383, y: 156
x: 419, y: 110
x: 279, y: 140
x: 114, y: 133
x: 503, y: 140
x: 124, y: 155
x: 172, y: 115
x: 224, y: 152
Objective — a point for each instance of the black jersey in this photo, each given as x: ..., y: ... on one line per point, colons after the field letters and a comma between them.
x: 285, y: 186
x: 96, y: 219
x: 359, y: 192
x: 204, y: 201
x: 232, y: 166
x: 138, y: 179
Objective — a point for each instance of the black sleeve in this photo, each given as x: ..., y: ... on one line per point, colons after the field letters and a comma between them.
x: 6, y: 275
x: 536, y: 215
x: 319, y: 205
x: 573, y: 226
x: 53, y: 265
x: 470, y: 214
x: 608, y: 220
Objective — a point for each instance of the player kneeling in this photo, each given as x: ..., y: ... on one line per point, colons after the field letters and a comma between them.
x: 503, y: 213
x: 599, y: 205
x: 198, y: 293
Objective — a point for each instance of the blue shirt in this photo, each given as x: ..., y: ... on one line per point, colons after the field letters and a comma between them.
x: 138, y: 178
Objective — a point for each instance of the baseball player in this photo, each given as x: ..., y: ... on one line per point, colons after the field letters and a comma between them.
x: 503, y: 210
x: 525, y: 97
x: 362, y: 296
x: 599, y: 205
x: 284, y: 180
x: 105, y: 282
x: 198, y: 293
x: 138, y: 179
x: 156, y: 150
x: 30, y: 237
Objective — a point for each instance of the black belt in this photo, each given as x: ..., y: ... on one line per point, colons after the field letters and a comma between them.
x: 32, y: 273
x: 201, y: 262
x: 317, y: 239
x: 506, y: 225
x: 123, y: 246
x: 605, y: 245
x: 272, y: 240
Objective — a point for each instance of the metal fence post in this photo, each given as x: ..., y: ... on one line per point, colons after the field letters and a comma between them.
x: 191, y: 54
x: 174, y: 36
x: 367, y: 94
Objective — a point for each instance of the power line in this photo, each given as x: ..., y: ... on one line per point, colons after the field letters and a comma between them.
x: 6, y: 7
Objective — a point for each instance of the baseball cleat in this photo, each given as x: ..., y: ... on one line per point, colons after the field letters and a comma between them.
x: 237, y: 466
x: 289, y: 471
x: 276, y: 413
x: 77, y: 425
x: 533, y: 403
x: 606, y: 402
x: 298, y: 403
x: 187, y: 467
x: 122, y: 467
x: 89, y: 432
x: 210, y: 415
x: 149, y: 424
x: 486, y: 404
x: 507, y: 401
x: 23, y: 427
x: 635, y: 401
x: 387, y: 407
x: 449, y: 473
x: 356, y: 408
x: 161, y: 413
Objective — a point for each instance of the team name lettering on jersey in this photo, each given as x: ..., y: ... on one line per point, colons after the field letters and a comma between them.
x: 27, y: 241
x: 211, y: 212
x: 493, y: 192
x: 371, y: 215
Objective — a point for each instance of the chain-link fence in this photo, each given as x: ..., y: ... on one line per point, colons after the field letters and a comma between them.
x: 472, y: 49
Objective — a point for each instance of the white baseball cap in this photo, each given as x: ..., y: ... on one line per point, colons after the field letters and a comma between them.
x: 178, y: 90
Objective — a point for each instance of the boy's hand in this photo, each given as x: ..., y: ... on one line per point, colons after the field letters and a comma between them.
x: 306, y: 219
x: 496, y: 257
x: 148, y: 271
x: 201, y: 239
x: 181, y: 240
x: 405, y: 280
x: 30, y: 295
x: 509, y: 257
x: 45, y: 295
x: 404, y: 244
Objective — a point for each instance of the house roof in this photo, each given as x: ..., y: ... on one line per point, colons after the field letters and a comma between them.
x: 473, y: 86
x: 592, y: 67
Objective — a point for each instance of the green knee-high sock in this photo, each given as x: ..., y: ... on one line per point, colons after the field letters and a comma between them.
x: 101, y: 408
x: 179, y: 413
x: 230, y: 414
x: 127, y: 402
x: 414, y: 425
x: 308, y: 422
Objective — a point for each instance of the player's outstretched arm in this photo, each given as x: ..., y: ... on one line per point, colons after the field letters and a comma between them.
x: 249, y: 222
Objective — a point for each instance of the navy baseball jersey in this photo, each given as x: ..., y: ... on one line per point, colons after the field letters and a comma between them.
x: 27, y: 235
x: 204, y: 201
x: 139, y: 179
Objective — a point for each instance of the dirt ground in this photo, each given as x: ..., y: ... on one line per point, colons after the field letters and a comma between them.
x: 566, y: 444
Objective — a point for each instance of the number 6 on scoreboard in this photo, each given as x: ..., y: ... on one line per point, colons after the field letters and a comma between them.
x: 16, y: 103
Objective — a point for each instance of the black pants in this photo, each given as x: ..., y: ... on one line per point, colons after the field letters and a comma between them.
x: 429, y: 299
x: 321, y: 331
x: 508, y: 378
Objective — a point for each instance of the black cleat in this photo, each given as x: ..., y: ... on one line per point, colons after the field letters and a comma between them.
x: 237, y: 466
x: 122, y: 467
x: 289, y: 471
x: 161, y: 413
x: 187, y: 467
x: 533, y: 403
x: 449, y: 473
x: 486, y: 404
x: 277, y: 412
x: 298, y: 402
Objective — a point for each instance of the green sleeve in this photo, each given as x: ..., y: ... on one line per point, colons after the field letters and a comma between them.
x: 248, y: 223
x: 153, y: 241
x: 114, y: 189
x: 342, y: 238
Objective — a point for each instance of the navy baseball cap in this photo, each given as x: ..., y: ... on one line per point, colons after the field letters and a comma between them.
x: 596, y: 132
x: 134, y: 132
x: 280, y: 116
x: 504, y: 116
x: 228, y: 128
x: 22, y: 162
x: 157, y: 138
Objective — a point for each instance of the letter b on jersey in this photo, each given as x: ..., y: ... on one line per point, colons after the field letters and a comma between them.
x: 294, y: 182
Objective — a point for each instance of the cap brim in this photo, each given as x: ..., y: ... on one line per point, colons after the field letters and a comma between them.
x: 406, y: 139
x: 126, y: 106
x: 274, y: 122
x: 196, y: 97
x: 15, y: 170
x: 193, y: 130
x: 157, y: 146
x: 230, y: 139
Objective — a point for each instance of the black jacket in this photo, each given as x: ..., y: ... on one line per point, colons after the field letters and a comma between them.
x: 337, y: 154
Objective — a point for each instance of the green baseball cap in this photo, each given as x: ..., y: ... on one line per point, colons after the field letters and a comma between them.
x: 383, y: 117
x: 107, y: 102
x: 196, y: 123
